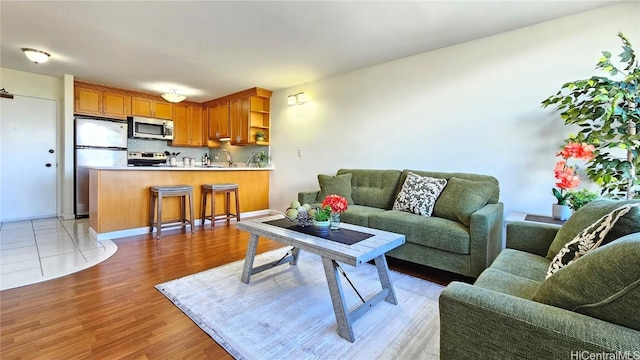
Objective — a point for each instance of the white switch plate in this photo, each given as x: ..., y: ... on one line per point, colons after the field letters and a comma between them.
x: 300, y: 152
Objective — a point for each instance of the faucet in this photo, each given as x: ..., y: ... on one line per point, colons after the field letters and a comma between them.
x: 229, y: 158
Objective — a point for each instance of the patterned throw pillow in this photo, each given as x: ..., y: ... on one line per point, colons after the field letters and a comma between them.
x: 588, y: 239
x: 419, y: 194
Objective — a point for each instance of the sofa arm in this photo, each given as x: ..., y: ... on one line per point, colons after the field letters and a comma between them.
x: 308, y: 197
x: 476, y: 323
x: 485, y: 232
x: 534, y: 238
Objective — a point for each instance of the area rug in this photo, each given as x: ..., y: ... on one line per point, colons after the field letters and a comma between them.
x: 286, y: 312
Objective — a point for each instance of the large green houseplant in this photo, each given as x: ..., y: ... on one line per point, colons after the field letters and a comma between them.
x: 608, y: 112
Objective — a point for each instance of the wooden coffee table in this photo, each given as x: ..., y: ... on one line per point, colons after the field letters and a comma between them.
x: 371, y: 248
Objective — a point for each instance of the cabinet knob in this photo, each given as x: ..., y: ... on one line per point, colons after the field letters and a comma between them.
x: 51, y: 151
x: 48, y: 165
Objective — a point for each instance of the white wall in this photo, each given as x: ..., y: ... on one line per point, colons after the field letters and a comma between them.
x: 474, y: 107
x: 49, y: 87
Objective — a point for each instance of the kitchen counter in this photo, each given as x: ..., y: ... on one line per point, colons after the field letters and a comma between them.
x: 180, y: 168
x: 119, y: 197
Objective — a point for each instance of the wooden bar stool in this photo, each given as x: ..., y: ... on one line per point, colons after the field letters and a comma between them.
x: 155, y: 207
x: 213, y: 189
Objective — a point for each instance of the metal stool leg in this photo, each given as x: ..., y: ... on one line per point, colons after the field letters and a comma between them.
x: 237, y: 206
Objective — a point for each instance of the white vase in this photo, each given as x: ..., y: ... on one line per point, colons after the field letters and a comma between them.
x: 561, y: 212
x: 321, y: 227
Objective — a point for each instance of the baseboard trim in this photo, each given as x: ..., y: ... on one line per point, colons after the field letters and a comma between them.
x: 145, y: 230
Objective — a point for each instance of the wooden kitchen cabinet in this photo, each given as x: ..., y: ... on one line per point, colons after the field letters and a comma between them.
x: 248, y: 113
x: 219, y: 121
x: 238, y: 118
x: 187, y: 125
x: 259, y: 119
x: 94, y: 100
x: 147, y: 107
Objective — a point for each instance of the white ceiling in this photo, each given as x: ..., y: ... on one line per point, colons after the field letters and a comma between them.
x: 208, y: 49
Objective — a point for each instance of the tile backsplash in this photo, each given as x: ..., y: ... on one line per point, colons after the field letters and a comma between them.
x: 238, y: 153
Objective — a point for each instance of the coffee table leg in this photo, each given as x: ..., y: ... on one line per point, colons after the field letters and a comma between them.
x: 383, y: 273
x: 249, y: 257
x: 337, y: 298
x: 296, y: 253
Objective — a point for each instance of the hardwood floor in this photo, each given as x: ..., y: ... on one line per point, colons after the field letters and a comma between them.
x: 112, y: 310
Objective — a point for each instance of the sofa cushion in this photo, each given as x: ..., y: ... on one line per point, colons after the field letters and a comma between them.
x: 592, y: 237
x: 522, y: 264
x: 603, y: 284
x: 359, y: 215
x: 494, y: 198
x: 419, y: 194
x: 590, y: 213
x: 339, y: 185
x: 376, y: 188
x: 432, y: 232
x: 462, y: 197
x: 506, y: 283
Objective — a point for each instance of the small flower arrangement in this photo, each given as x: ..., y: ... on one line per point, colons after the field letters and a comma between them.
x: 336, y: 202
x: 566, y: 176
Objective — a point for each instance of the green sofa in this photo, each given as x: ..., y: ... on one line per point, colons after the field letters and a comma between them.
x: 588, y: 308
x: 463, y: 235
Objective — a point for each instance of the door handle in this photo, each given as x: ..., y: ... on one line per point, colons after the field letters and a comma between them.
x: 48, y: 165
x: 51, y: 151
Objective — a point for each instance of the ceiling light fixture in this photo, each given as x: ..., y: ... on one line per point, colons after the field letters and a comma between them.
x: 173, y: 96
x: 35, y: 55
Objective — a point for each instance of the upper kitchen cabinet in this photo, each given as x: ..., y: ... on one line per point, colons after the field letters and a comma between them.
x: 149, y: 107
x: 218, y: 115
x: 259, y: 120
x: 248, y: 116
x: 238, y: 118
x: 97, y: 100
x: 187, y: 125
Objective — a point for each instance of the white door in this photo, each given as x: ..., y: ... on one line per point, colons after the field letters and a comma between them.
x: 28, y: 154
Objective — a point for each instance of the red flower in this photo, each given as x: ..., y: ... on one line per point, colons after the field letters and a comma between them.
x: 336, y: 202
x: 566, y: 175
x: 582, y: 151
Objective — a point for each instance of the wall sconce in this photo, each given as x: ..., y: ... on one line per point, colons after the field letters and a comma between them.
x: 173, y: 96
x: 37, y: 56
x: 297, y: 99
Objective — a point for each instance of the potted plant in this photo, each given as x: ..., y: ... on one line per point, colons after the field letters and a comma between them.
x: 567, y: 178
x: 321, y: 219
x: 606, y: 110
x: 260, y: 135
x: 262, y: 158
x: 579, y: 198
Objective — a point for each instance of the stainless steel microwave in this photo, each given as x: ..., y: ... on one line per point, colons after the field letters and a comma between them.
x: 148, y: 128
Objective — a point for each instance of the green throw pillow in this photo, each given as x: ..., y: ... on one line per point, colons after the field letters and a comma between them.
x: 338, y: 185
x: 590, y: 213
x: 461, y: 198
x: 603, y: 284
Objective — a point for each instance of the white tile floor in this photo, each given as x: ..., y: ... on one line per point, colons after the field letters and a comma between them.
x: 38, y: 250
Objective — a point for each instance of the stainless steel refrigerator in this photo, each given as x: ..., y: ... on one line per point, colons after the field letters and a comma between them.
x: 98, y: 142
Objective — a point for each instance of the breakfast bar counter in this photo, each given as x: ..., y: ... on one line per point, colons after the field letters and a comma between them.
x: 119, y: 196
